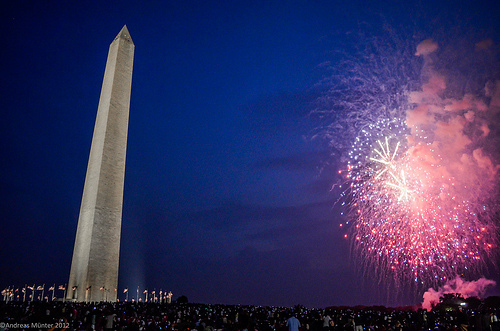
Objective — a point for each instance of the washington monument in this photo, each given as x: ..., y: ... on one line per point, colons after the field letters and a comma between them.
x: 94, y: 268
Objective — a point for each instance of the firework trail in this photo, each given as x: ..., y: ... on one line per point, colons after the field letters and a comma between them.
x: 421, y: 178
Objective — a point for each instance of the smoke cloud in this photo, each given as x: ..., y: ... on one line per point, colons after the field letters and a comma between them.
x: 427, y: 47
x: 447, y: 141
x: 467, y: 289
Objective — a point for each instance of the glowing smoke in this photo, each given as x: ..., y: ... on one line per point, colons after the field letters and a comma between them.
x: 475, y: 288
x: 426, y: 47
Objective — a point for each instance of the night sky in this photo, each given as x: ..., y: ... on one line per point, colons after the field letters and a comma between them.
x: 227, y: 196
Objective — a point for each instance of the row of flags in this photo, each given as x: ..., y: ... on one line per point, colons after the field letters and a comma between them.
x: 11, y: 294
x: 162, y: 296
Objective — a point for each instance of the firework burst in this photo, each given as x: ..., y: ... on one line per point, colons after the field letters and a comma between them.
x: 420, y: 188
x: 405, y: 219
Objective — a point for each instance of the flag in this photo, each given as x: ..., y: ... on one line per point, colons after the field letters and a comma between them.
x: 125, y: 290
x: 24, y: 290
x: 61, y: 287
x: 51, y: 288
x: 30, y: 288
x: 39, y: 288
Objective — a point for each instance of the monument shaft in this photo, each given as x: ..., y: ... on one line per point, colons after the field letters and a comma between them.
x: 94, y: 268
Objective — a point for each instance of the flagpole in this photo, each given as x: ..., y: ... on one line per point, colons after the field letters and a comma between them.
x: 65, y: 287
x: 53, y: 290
x: 25, y: 290
x: 43, y: 291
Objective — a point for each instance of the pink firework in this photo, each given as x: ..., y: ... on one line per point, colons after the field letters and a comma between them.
x: 422, y: 190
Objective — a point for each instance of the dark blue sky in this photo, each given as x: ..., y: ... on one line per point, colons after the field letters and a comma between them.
x: 224, y: 198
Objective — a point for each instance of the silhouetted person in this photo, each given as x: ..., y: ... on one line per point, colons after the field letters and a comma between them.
x: 293, y: 324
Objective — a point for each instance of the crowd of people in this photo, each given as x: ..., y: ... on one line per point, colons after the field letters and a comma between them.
x: 204, y: 317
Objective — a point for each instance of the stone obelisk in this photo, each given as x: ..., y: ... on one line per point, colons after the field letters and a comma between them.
x: 94, y: 268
